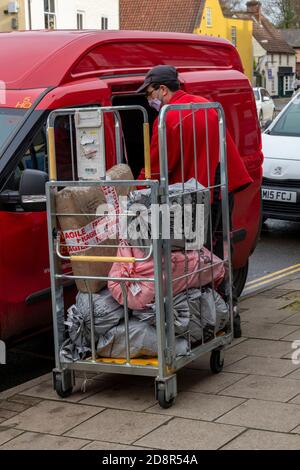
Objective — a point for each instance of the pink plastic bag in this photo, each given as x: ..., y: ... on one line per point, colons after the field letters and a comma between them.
x: 142, y: 293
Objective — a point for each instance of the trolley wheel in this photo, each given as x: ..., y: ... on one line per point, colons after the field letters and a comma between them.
x: 59, y: 389
x: 163, y: 403
x: 216, y: 361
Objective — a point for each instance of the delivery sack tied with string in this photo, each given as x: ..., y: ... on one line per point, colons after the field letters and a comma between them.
x: 185, y: 266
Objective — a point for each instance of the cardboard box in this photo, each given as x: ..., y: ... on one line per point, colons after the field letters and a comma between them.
x: 82, y: 227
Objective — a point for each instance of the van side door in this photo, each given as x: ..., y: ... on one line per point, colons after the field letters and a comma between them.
x: 24, y: 263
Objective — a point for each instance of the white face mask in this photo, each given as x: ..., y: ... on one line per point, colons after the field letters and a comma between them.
x: 156, y: 104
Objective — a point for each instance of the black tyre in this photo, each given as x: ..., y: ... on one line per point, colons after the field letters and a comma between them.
x: 261, y: 120
x: 163, y: 403
x: 216, y: 361
x: 239, y: 278
x: 59, y: 389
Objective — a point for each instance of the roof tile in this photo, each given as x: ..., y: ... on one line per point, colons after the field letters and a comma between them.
x: 180, y: 16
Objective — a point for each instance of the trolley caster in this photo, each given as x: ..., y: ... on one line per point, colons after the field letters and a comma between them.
x: 166, y: 391
x: 63, y: 383
x: 163, y: 403
x: 216, y: 361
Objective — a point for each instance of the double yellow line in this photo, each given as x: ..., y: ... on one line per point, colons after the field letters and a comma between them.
x: 261, y: 281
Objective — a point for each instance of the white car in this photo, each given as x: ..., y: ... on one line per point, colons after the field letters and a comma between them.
x: 265, y: 106
x: 281, y: 170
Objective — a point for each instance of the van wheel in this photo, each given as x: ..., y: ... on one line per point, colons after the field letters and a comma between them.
x: 261, y: 119
x: 239, y: 278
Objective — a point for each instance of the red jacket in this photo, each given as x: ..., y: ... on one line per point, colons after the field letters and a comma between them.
x: 238, y: 176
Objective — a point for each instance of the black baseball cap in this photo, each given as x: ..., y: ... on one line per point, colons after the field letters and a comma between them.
x: 160, y: 74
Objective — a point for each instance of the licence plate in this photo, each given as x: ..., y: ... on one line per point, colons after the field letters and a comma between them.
x: 275, y: 195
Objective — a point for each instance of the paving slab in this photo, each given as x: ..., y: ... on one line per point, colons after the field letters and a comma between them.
x: 130, y: 397
x: 261, y: 414
x: 294, y: 375
x: 267, y: 330
x: 198, y: 406
x: 264, y: 388
x: 292, y: 285
x: 262, y: 366
x: 51, y: 417
x: 265, y: 315
x: 293, y: 336
x: 296, y: 430
x: 293, y: 319
x: 263, y: 440
x: 256, y: 304
x: 11, y: 406
x: 274, y: 293
x: 6, y: 414
x: 189, y: 380
x: 100, y: 445
x: 202, y: 363
x: 235, y: 342
x: 24, y: 400
x: 20, y: 388
x: 6, y: 434
x: 45, y: 389
x: 119, y: 426
x: 231, y: 356
x: 260, y: 347
x: 190, y: 434
x: 36, y: 441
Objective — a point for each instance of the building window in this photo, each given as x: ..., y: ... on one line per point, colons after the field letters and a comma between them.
x: 280, y: 59
x: 80, y: 16
x: 233, y: 35
x: 49, y: 14
x: 104, y: 22
x: 287, y: 83
x: 208, y: 17
x: 288, y: 60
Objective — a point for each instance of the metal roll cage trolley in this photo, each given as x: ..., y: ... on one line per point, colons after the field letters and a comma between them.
x: 167, y: 363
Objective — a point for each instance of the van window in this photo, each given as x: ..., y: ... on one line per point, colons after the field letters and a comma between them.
x: 34, y: 158
x: 256, y: 94
x: 9, y: 121
x: 289, y: 123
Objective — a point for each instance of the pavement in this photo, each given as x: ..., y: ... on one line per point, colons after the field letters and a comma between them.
x: 254, y: 403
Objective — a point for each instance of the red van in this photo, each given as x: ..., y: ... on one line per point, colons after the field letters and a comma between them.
x: 45, y: 70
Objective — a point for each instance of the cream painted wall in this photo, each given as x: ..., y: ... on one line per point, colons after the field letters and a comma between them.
x: 66, y: 13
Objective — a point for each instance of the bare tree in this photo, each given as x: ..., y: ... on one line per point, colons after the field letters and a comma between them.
x: 283, y: 13
x: 229, y: 6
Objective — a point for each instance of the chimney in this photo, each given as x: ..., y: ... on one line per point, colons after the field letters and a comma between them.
x: 254, y: 8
